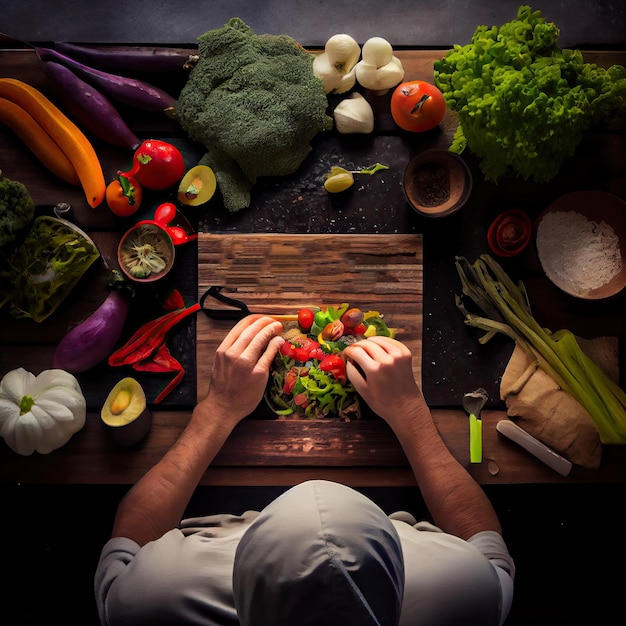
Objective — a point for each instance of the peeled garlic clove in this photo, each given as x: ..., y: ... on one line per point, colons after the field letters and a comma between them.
x: 354, y: 115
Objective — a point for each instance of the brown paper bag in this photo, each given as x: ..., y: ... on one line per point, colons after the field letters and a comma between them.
x: 548, y: 413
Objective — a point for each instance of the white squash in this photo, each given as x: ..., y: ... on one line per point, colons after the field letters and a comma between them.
x: 40, y: 412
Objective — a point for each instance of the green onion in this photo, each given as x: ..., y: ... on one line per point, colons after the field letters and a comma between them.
x: 506, y: 310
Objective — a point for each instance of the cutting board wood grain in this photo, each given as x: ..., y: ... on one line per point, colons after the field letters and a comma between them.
x: 280, y: 273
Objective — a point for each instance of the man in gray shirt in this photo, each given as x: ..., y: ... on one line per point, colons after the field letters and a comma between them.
x: 321, y: 553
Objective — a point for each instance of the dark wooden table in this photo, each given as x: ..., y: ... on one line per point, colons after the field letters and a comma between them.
x: 360, y: 453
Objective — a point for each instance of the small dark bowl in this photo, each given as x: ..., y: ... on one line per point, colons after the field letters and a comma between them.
x: 437, y: 183
x: 155, y: 232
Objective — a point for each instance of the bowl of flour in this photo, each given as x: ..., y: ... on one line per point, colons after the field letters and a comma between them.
x: 581, y: 244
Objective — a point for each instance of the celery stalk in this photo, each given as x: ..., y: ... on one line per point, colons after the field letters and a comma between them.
x: 507, y: 311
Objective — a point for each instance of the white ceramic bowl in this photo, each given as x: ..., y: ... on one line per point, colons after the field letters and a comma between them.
x: 581, y: 244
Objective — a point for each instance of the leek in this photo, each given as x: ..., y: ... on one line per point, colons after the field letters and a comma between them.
x: 506, y: 310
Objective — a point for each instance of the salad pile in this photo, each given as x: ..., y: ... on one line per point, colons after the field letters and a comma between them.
x: 308, y: 378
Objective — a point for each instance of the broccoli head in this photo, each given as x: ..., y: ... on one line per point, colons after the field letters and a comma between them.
x: 17, y: 210
x: 254, y: 102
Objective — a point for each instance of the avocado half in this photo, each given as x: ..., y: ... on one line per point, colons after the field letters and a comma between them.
x: 125, y: 413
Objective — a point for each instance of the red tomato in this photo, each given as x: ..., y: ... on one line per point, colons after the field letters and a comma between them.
x: 358, y: 330
x: 305, y: 318
x: 123, y: 196
x: 158, y: 164
x: 335, y: 365
x: 417, y: 106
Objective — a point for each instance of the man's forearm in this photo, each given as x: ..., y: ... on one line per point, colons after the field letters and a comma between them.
x: 456, y: 501
x: 158, y: 500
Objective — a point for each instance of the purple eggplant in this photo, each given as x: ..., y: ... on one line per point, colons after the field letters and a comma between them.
x: 92, y: 109
x: 94, y: 339
x: 128, y: 91
x: 129, y: 59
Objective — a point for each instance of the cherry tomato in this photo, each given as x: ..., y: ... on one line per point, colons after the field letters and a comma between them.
x: 358, y: 330
x: 417, y: 106
x: 123, y: 196
x: 305, y: 318
x: 157, y: 164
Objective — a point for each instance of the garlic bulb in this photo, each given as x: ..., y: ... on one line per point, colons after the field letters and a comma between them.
x: 379, y: 70
x: 336, y: 65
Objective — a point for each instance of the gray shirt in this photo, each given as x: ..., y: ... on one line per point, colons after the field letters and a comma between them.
x: 186, y: 576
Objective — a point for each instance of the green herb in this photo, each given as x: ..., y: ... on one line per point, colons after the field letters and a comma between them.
x: 507, y: 311
x: 522, y: 102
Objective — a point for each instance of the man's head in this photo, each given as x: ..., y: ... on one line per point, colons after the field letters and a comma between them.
x: 319, y: 554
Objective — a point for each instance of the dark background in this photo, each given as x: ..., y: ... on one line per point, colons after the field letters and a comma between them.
x: 564, y: 538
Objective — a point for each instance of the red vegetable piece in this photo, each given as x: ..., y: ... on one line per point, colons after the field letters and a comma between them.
x: 305, y: 319
x: 157, y: 164
x: 165, y: 213
x: 509, y: 233
x: 335, y: 365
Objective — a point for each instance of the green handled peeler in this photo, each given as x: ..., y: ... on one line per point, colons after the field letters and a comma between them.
x: 473, y: 402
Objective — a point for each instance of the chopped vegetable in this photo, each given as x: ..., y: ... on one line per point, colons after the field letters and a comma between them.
x: 308, y: 378
x: 254, y: 102
x: 506, y: 310
x: 17, y: 210
x: 522, y: 102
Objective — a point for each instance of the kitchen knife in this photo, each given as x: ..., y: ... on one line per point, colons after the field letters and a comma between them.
x: 534, y: 446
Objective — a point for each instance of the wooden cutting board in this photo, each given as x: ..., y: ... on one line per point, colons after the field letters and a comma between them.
x: 280, y: 273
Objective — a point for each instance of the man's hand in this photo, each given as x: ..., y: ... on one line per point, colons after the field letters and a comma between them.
x: 241, y: 367
x: 384, y: 378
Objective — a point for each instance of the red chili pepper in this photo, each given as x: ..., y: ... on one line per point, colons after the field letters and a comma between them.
x: 149, y: 337
x: 162, y: 361
x: 146, y: 351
